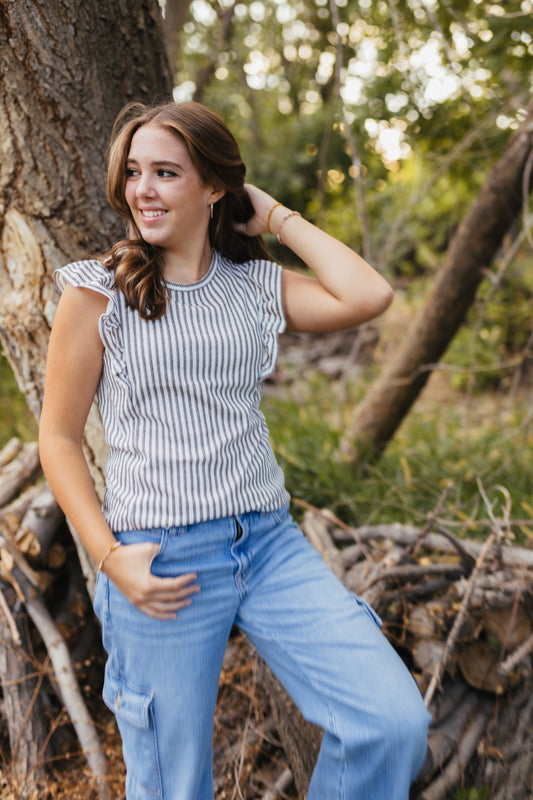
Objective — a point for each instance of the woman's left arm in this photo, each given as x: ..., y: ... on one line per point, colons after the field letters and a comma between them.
x: 346, y: 291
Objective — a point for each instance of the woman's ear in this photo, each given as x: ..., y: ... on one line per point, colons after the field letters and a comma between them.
x: 216, y: 195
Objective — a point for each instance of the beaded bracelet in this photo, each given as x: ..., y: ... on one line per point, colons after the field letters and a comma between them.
x: 270, y: 214
x: 112, y: 549
x: 290, y: 214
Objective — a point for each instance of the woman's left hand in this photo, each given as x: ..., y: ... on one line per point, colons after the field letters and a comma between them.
x: 263, y: 203
x: 345, y: 290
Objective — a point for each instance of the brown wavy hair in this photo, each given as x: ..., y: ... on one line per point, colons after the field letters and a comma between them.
x: 215, y: 153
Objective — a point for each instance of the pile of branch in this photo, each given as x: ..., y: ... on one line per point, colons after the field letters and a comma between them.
x: 41, y: 584
x: 460, y: 613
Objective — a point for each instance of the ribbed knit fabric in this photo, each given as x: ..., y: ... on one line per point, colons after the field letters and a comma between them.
x: 179, y: 396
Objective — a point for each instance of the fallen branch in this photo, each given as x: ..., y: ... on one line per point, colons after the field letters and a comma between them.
x: 10, y: 622
x: 450, y: 642
x: 10, y: 451
x: 451, y: 775
x: 444, y: 736
x: 282, y: 784
x: 17, y: 474
x: 66, y: 682
x: 405, y: 534
x: 412, y: 550
x: 407, y: 572
x: 23, y: 710
x: 518, y: 655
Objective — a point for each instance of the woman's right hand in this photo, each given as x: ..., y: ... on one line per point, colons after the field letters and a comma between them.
x: 129, y: 567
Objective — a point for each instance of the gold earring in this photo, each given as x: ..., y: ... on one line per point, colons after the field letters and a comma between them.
x: 211, y: 210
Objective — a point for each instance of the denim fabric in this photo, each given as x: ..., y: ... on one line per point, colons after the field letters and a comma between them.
x: 325, y: 646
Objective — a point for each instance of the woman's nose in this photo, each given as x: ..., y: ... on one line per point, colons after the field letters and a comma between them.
x: 145, y: 187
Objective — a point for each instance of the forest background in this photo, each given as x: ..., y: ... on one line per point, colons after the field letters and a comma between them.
x: 384, y: 122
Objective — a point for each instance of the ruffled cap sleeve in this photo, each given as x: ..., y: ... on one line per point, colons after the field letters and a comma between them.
x: 92, y: 275
x: 86, y: 275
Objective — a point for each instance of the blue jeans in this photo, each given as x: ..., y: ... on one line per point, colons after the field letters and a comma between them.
x: 257, y: 571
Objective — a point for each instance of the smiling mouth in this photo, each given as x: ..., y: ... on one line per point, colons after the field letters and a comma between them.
x: 152, y: 214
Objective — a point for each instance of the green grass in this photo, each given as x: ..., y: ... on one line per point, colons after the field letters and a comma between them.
x: 484, y: 448
x: 15, y: 417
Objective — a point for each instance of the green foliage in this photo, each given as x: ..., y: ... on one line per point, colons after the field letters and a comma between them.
x: 15, y: 418
x: 445, y: 442
x: 473, y: 794
x: 488, y: 350
x: 426, y: 93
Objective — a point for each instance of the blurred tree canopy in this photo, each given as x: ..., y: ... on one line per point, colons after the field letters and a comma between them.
x: 355, y: 109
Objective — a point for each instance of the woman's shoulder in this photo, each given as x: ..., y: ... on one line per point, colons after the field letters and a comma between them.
x: 255, y: 268
x: 263, y: 279
x: 87, y: 274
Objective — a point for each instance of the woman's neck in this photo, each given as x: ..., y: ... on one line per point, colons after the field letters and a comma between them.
x: 190, y: 266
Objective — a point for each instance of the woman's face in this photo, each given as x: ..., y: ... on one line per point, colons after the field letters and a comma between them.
x: 167, y: 199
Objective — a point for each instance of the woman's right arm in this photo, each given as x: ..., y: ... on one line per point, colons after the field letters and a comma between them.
x: 74, y: 366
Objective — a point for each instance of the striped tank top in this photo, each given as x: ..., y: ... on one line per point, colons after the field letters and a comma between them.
x: 179, y: 396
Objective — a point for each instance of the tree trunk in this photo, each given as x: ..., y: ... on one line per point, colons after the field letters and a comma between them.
x: 66, y: 69
x: 173, y: 22
x: 471, y: 251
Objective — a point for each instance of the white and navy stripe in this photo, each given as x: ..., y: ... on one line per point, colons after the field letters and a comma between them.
x: 179, y: 396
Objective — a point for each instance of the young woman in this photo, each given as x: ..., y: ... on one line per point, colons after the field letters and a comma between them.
x: 175, y: 330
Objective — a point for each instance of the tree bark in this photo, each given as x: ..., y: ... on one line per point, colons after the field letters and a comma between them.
x: 66, y: 69
x: 175, y: 14
x: 471, y: 251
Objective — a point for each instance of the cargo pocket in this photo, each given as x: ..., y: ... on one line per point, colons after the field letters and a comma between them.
x: 132, y: 707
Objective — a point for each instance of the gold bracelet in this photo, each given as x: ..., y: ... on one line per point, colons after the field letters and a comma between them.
x: 270, y: 214
x: 290, y: 214
x: 112, y: 549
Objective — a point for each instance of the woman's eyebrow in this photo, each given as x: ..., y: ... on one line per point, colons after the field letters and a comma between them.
x: 173, y: 164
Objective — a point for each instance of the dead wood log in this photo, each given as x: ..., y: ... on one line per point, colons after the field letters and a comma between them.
x: 281, y: 785
x: 9, y: 451
x: 450, y: 641
x: 300, y: 739
x: 518, y: 655
x: 37, y: 532
x: 11, y: 515
x: 19, y: 472
x: 20, y: 686
x: 67, y: 684
x: 39, y: 518
x: 505, y: 762
x: 450, y: 776
x: 404, y: 535
x: 446, y: 733
x: 316, y: 530
x: 442, y: 601
x: 31, y: 523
